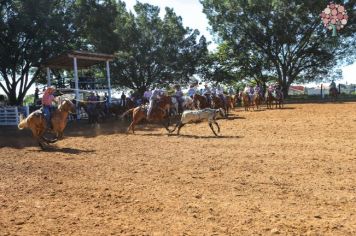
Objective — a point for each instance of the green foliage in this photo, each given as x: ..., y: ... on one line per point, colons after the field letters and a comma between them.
x: 29, y: 100
x: 279, y: 38
x: 30, y: 32
x: 150, y: 51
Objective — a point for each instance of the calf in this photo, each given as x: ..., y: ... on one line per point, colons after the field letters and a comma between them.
x: 206, y: 114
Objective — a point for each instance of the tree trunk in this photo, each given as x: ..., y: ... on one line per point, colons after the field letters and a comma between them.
x: 13, y: 101
x: 141, y: 91
x: 285, y: 89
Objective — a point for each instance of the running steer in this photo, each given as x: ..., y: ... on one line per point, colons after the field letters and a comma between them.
x: 207, y: 114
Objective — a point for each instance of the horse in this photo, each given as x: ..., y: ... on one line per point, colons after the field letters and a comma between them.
x: 236, y: 100
x: 95, y: 111
x: 187, y: 103
x: 129, y: 103
x: 159, y: 113
x: 218, y: 103
x: 245, y: 98
x: 230, y: 102
x: 257, y: 100
x: 278, y: 98
x: 200, y: 101
x: 38, y: 124
x: 333, y: 94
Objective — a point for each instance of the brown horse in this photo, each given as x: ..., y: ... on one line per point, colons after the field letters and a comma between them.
x: 245, y: 100
x: 236, y: 99
x: 200, y: 101
x: 37, y: 122
x: 257, y: 100
x: 270, y: 99
x: 333, y: 94
x: 218, y: 103
x: 230, y: 102
x: 160, y: 113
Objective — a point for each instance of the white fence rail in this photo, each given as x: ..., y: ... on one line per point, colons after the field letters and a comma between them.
x: 11, y: 115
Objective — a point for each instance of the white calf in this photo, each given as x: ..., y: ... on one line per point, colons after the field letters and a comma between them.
x: 207, y: 114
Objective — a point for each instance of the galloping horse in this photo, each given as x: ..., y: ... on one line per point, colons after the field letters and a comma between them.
x: 333, y: 94
x: 37, y: 122
x: 245, y: 100
x: 159, y: 113
x: 200, y: 101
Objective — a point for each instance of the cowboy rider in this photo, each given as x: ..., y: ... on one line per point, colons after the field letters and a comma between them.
x: 247, y: 91
x: 207, y: 93
x: 332, y: 85
x: 47, y: 100
x: 191, y: 91
x: 156, y: 94
x: 146, y: 96
x: 179, y: 95
x: 258, y: 89
x: 220, y: 93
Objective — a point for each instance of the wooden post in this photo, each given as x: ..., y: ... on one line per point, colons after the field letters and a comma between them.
x: 321, y: 91
x: 76, y: 85
x: 108, y: 78
x: 48, y: 77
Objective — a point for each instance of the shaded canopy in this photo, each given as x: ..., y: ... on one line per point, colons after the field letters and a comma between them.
x: 84, y: 60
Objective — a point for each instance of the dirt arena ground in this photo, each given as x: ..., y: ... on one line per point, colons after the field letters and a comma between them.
x: 287, y: 172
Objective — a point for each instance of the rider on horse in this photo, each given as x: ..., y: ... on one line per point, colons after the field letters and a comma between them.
x: 220, y: 93
x: 278, y: 91
x: 207, y: 93
x: 259, y: 90
x: 47, y: 107
x: 156, y: 94
x: 332, y: 86
x: 179, y: 95
x: 146, y: 96
x: 249, y: 91
x: 191, y: 91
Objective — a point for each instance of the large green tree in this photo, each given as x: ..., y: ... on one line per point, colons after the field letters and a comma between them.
x: 150, y: 50
x: 280, y: 38
x: 30, y: 32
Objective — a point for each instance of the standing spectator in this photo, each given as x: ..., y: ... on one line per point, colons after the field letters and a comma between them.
x: 36, y: 97
x: 106, y: 102
x: 123, y: 99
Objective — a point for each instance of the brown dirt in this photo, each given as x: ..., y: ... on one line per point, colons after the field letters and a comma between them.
x: 290, y: 171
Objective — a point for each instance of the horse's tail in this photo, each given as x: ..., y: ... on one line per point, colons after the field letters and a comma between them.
x: 23, y: 123
x: 127, y: 113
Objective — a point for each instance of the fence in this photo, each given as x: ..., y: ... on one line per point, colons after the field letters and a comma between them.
x: 11, y: 115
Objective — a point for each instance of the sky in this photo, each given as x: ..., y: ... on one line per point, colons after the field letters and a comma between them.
x: 193, y: 17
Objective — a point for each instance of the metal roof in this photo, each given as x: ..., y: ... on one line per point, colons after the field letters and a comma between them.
x: 84, y: 60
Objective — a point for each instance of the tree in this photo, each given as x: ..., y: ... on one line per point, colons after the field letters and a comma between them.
x: 149, y: 50
x: 30, y: 32
x: 285, y: 39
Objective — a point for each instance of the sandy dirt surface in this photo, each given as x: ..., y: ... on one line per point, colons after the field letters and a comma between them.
x: 287, y: 172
